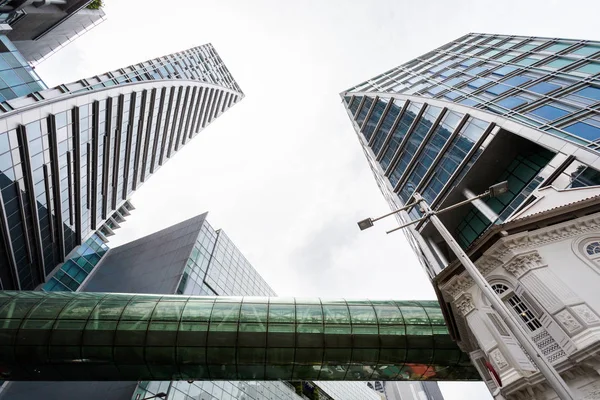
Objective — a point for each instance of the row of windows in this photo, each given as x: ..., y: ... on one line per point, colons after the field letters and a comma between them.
x: 461, y: 79
x: 83, y: 152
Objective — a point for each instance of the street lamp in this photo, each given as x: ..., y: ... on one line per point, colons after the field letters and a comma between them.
x: 552, y: 376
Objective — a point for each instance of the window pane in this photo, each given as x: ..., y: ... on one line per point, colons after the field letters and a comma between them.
x: 337, y: 314
x: 589, y: 92
x: 549, y: 113
x: 512, y: 102
x: 558, y: 63
x: 362, y: 314
x: 477, y: 83
x: 543, y: 87
x: 527, y: 61
x: 586, y: 50
x: 556, y: 47
x: 591, y: 68
x: 504, y: 70
x: 281, y: 313
x: 584, y: 130
x: 517, y: 80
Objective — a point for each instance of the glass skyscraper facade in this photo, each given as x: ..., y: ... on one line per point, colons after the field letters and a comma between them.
x: 17, y: 77
x: 476, y: 111
x: 74, y: 154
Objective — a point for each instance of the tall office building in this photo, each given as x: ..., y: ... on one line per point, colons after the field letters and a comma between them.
x: 187, y: 258
x: 480, y: 110
x: 72, y: 155
x: 39, y: 28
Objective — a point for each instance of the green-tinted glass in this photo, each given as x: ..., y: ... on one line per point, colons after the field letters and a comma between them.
x: 336, y: 314
x: 309, y: 313
x: 175, y: 337
x: 254, y: 313
x: 198, y: 309
x: 282, y: 313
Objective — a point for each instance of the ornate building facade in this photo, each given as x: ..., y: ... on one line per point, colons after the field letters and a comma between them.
x: 544, y: 264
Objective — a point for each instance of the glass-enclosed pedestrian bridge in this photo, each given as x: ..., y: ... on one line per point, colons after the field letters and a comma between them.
x: 106, y: 336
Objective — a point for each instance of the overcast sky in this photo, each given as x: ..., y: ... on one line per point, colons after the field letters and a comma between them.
x: 282, y: 172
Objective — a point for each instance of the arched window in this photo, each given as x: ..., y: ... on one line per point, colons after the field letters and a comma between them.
x: 499, y: 288
x: 593, y: 249
x: 521, y: 308
x: 588, y: 250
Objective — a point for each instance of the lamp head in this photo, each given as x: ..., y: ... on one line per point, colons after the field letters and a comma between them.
x: 365, y: 224
x: 498, y: 189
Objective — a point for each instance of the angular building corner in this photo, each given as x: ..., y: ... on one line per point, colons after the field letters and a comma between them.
x: 73, y: 155
x: 477, y: 111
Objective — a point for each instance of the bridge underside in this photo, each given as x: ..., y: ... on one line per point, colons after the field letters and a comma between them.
x: 99, y: 336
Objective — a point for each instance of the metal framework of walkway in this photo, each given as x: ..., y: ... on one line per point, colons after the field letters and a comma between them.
x: 105, y: 336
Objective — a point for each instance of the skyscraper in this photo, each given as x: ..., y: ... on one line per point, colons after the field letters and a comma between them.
x: 480, y: 110
x: 73, y: 154
x: 437, y: 125
x: 190, y: 257
x: 40, y: 28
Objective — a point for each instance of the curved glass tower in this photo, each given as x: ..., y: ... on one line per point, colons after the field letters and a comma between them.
x: 71, y: 156
x: 476, y: 111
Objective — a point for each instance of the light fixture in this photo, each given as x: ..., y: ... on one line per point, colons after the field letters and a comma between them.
x: 498, y: 189
x: 365, y: 224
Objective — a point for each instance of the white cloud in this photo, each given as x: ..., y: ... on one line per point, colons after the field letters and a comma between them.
x: 282, y: 172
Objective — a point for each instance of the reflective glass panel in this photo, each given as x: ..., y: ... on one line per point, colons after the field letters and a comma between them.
x: 549, y: 113
x: 584, y: 130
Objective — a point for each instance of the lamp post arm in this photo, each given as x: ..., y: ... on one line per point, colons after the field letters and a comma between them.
x: 406, y: 207
x: 409, y: 223
x: 461, y: 203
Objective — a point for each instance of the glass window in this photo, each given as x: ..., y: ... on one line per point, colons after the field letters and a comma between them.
x: 498, y: 89
x: 489, y: 53
x: 584, y: 130
x: 549, y: 113
x: 477, y: 70
x: 507, y: 69
x: 454, y: 81
x: 477, y: 83
x: 590, y: 68
x: 10, y: 78
x: 543, y: 87
x: 529, y: 45
x: 469, y: 102
x: 586, y: 50
x: 558, y: 63
x: 589, y: 92
x: 452, y: 95
x: 468, y: 61
x: 556, y: 47
x: 527, y: 61
x: 505, y: 58
x: 512, y: 102
x: 517, y: 80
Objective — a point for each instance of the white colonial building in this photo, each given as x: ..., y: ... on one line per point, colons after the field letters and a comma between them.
x: 544, y: 262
